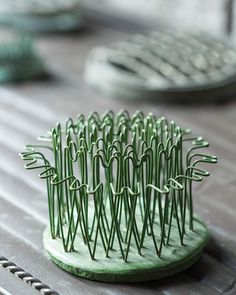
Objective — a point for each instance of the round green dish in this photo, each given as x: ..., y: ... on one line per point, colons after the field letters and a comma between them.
x: 148, y: 266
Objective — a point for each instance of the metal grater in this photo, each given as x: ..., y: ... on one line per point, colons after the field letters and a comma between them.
x: 164, y: 64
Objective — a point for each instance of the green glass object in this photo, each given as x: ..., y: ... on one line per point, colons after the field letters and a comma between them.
x: 41, y: 15
x: 164, y: 65
x: 18, y: 58
x: 120, y: 196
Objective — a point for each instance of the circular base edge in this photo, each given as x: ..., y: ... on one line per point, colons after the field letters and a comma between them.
x: 136, y: 275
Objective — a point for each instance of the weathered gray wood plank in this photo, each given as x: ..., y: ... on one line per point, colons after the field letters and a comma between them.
x: 27, y: 110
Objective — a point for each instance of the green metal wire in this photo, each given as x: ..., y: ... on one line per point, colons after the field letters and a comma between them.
x: 119, y: 180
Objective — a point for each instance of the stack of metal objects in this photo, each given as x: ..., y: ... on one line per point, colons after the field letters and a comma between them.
x: 41, y: 15
x: 18, y: 58
x: 164, y: 64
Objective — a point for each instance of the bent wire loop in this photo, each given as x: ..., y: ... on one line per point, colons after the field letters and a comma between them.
x: 119, y: 180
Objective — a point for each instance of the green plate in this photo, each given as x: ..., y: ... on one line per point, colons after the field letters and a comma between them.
x: 148, y: 266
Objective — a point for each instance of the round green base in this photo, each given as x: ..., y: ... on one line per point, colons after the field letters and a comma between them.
x: 148, y: 266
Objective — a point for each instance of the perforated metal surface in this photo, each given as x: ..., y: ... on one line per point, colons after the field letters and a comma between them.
x: 28, y: 110
x: 162, y: 62
x: 17, y: 52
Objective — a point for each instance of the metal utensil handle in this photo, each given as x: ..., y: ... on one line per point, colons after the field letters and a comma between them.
x: 26, y: 277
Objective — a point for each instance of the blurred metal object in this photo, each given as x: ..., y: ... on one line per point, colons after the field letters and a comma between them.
x: 18, y: 58
x: 41, y: 15
x: 164, y: 64
x: 26, y: 277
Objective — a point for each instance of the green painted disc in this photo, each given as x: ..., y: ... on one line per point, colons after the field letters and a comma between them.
x: 148, y: 266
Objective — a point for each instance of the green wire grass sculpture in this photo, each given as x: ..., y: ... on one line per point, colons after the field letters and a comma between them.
x: 120, y: 196
x: 18, y: 58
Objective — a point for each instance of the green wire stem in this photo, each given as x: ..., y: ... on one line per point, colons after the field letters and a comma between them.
x: 119, y: 179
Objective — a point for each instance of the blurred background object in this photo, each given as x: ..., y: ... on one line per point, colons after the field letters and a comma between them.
x: 164, y: 64
x: 214, y: 16
x: 29, y: 109
x: 41, y: 15
x: 18, y: 58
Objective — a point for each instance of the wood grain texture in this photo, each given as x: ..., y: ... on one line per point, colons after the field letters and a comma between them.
x: 29, y: 109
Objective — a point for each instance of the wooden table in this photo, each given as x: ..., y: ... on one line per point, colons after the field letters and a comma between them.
x: 29, y: 109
